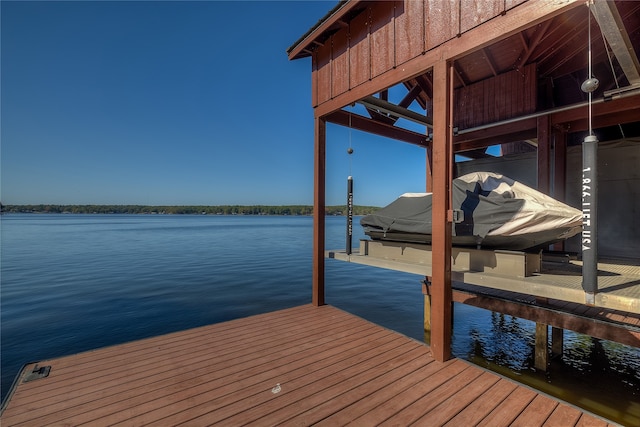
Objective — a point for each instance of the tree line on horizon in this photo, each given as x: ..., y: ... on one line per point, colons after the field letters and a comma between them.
x: 184, y: 210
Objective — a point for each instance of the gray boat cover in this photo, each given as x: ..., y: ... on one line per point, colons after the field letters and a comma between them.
x: 496, y: 212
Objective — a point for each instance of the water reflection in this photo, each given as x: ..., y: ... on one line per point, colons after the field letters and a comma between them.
x: 600, y: 376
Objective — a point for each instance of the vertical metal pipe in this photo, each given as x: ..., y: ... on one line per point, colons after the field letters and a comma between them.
x: 590, y: 193
x: 590, y: 217
x: 349, y: 214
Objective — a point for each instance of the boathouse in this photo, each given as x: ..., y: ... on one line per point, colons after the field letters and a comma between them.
x: 473, y: 74
x: 554, y: 86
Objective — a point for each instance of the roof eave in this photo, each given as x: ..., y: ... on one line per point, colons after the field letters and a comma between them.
x: 303, y: 46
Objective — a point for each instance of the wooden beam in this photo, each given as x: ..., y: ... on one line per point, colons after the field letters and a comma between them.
x: 343, y: 118
x: 612, y: 26
x: 319, y: 174
x: 557, y: 341
x: 560, y: 165
x: 544, y: 155
x: 530, y: 47
x: 500, y: 134
x: 580, y: 323
x: 627, y: 108
x: 489, y: 61
x: 559, y: 172
x: 427, y: 87
x: 429, y: 168
x: 616, y: 111
x: 604, y: 120
x: 441, y: 303
x: 410, y: 96
x: 541, y: 357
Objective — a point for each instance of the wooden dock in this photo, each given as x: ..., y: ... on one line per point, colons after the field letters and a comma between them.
x: 301, y: 366
x: 618, y: 280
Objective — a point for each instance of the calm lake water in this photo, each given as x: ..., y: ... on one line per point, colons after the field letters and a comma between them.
x: 72, y: 283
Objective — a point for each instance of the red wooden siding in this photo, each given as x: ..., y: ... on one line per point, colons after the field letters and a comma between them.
x: 409, y: 30
x: 382, y: 38
x: 475, y: 12
x: 498, y: 98
x: 442, y: 21
x: 360, y: 52
x: 387, y: 34
x: 340, y: 63
x: 323, y: 76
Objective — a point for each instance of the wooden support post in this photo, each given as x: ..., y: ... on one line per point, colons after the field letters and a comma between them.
x: 541, y: 355
x: 319, y: 173
x: 544, y: 154
x: 441, y: 296
x: 559, y: 172
x: 426, y: 291
x: 560, y: 165
x: 557, y: 341
x: 429, y: 167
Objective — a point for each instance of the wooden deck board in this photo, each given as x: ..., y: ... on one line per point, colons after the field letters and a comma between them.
x: 363, y: 397
x: 536, y: 413
x: 137, y: 371
x: 332, y: 368
x: 462, y: 398
x: 426, y: 404
x: 563, y: 416
x: 482, y: 405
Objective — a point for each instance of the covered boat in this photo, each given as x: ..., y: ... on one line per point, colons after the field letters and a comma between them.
x: 493, y: 211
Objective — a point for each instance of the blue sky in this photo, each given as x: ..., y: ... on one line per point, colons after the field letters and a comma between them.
x: 174, y: 103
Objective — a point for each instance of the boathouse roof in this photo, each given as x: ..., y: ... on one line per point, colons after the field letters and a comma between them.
x: 535, y: 52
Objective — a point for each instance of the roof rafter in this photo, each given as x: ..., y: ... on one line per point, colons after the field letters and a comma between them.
x: 531, y: 45
x: 358, y: 122
x: 613, y: 29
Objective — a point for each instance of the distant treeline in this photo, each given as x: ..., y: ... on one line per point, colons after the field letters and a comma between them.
x: 184, y: 210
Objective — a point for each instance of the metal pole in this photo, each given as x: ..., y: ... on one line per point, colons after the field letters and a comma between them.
x: 590, y: 217
x: 349, y: 214
x: 590, y: 193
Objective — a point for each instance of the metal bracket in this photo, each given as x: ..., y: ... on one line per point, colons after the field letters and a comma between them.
x: 426, y: 286
x: 457, y: 216
x: 37, y: 373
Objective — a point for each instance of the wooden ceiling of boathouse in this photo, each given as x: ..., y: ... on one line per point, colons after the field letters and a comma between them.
x: 511, y: 58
